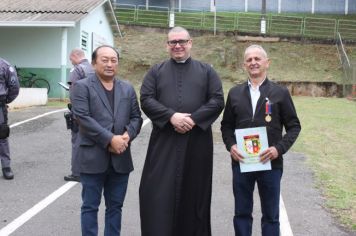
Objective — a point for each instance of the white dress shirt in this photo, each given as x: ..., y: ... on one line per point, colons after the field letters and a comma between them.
x: 255, y: 95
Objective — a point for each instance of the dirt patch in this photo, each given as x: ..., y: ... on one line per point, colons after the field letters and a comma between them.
x: 313, y: 89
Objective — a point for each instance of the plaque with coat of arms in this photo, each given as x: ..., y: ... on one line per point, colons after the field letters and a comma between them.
x: 251, y: 142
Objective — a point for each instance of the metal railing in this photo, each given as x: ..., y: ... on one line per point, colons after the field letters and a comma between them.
x: 349, y: 68
x: 152, y: 16
x: 347, y: 28
x: 286, y: 25
x: 189, y: 18
x: 323, y: 28
x: 277, y: 25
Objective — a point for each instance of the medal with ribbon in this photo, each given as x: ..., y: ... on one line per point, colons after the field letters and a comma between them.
x: 268, y: 117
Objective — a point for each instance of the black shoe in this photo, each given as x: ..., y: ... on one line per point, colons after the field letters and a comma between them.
x: 7, y: 173
x: 72, y: 178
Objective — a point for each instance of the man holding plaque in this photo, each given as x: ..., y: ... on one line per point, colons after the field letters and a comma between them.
x: 259, y: 102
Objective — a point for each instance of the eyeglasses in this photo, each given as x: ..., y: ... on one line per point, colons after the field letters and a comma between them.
x: 182, y: 42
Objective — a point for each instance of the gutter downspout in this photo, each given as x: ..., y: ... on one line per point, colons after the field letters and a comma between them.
x: 64, y: 49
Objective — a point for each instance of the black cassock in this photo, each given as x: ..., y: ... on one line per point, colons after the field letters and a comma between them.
x: 176, y: 183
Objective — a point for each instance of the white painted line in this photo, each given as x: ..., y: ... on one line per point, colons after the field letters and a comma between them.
x: 37, y: 117
x: 10, y: 228
x: 19, y: 221
x: 285, y: 228
x: 145, y: 122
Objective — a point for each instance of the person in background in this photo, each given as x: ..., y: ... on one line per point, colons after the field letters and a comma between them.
x: 82, y: 68
x: 109, y: 119
x: 9, y: 90
x: 255, y: 103
x: 182, y: 97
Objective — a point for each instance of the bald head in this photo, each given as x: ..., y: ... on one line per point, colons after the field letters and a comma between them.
x: 255, y: 47
x: 179, y: 29
x: 76, y: 55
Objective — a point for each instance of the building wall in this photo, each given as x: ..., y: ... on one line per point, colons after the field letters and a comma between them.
x: 330, y: 6
x: 296, y: 6
x: 31, y: 46
x: 352, y: 6
x: 201, y: 5
x: 98, y: 27
x: 228, y: 5
x: 38, y: 49
x: 33, y: 49
x: 133, y: 2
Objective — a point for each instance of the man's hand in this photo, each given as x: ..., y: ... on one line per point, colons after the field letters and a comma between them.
x: 119, y: 143
x: 126, y: 137
x: 270, y: 153
x: 235, y: 154
x: 182, y: 122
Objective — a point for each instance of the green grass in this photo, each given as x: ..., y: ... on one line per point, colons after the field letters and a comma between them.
x: 328, y: 140
x: 316, y: 26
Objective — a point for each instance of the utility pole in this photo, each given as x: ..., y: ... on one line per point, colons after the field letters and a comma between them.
x: 171, y: 13
x: 214, y: 18
x: 263, y: 17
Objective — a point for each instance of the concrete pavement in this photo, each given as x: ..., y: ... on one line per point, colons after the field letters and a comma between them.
x: 41, y: 157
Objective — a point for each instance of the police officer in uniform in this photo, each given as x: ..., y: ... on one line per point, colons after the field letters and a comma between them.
x: 81, y: 69
x: 9, y: 89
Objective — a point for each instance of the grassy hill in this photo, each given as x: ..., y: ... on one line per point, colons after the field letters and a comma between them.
x: 291, y: 60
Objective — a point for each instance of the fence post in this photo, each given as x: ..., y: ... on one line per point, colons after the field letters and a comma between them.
x: 353, y: 76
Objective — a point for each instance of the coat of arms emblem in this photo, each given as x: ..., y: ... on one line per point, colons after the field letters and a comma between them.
x: 252, y: 144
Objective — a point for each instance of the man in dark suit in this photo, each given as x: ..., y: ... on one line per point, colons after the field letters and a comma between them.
x: 109, y: 119
x: 259, y: 102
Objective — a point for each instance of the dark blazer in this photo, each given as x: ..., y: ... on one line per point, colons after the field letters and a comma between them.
x: 98, y: 123
x: 238, y: 114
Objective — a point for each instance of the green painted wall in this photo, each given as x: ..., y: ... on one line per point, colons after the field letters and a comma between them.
x: 52, y: 75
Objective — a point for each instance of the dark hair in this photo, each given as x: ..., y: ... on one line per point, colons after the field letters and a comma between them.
x: 95, y: 52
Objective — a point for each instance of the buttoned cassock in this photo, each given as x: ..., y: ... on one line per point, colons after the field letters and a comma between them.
x: 176, y: 183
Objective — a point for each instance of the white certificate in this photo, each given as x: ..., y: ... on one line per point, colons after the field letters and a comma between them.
x: 251, y: 142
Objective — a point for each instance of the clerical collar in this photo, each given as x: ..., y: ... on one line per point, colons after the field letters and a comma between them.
x: 182, y: 62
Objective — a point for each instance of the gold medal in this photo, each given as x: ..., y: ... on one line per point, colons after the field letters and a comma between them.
x: 268, y: 118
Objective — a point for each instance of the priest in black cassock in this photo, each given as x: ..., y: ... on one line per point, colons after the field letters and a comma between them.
x: 182, y: 97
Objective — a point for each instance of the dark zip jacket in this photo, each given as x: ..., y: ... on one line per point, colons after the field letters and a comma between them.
x: 238, y: 114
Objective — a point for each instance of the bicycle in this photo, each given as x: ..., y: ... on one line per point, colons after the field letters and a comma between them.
x: 32, y: 81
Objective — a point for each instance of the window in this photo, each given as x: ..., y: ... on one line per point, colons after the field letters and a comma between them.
x: 84, y: 40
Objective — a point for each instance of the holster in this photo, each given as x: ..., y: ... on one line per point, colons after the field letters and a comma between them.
x: 71, y: 122
x: 4, y: 131
x: 4, y: 127
x: 69, y: 119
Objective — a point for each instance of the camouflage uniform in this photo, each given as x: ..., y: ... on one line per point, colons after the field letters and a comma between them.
x: 9, y: 89
x: 78, y: 72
